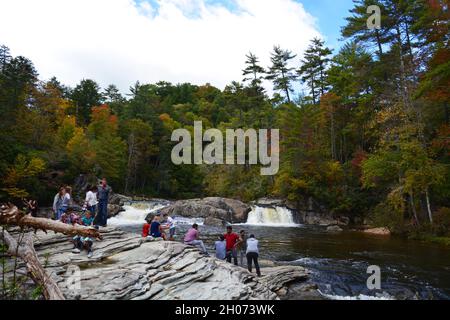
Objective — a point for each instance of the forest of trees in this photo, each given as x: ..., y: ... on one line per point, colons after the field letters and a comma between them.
x: 368, y: 137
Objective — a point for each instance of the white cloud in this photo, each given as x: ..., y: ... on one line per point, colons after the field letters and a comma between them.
x: 121, y: 41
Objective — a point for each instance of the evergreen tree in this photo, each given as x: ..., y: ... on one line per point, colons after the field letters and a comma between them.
x: 85, y: 96
x: 254, y: 73
x: 314, y: 67
x: 280, y: 73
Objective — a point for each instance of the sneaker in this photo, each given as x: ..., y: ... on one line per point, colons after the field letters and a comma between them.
x: 90, y: 255
x: 76, y: 250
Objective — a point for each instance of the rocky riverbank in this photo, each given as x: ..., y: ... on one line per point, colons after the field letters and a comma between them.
x: 124, y: 267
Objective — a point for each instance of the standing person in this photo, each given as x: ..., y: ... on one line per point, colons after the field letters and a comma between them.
x: 191, y: 239
x: 57, y: 201
x: 252, y: 254
x: 65, y: 202
x: 241, y: 246
x: 231, y: 239
x: 170, y: 222
x: 91, y: 201
x: 221, y: 248
x: 103, y: 197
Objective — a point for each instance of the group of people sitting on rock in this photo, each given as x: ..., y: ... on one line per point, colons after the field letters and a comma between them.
x: 157, y: 225
x: 227, y: 247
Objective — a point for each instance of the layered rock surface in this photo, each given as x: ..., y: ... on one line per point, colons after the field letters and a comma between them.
x: 126, y: 267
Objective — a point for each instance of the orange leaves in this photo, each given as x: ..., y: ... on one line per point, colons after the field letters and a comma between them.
x: 103, y: 122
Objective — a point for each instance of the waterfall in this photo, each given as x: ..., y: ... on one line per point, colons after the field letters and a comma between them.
x: 135, y: 213
x: 271, y: 216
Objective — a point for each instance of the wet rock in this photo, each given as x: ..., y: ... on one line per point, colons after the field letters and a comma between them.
x: 118, y: 199
x: 209, y: 221
x: 378, y: 231
x: 272, y: 203
x: 114, y: 210
x: 126, y: 267
x: 334, y: 229
x: 228, y: 210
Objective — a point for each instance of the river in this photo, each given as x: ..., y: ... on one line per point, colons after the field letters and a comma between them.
x: 338, y: 261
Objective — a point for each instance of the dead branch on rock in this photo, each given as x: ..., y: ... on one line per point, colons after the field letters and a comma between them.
x: 11, y: 216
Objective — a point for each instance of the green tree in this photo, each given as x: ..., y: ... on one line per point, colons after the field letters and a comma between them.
x: 314, y: 68
x: 85, y: 96
x: 280, y: 73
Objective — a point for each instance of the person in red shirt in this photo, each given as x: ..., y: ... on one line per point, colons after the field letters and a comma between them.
x: 231, y: 239
x: 146, y: 230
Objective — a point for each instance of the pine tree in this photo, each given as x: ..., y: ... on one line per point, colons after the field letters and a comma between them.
x: 280, y: 73
x: 314, y: 67
x: 85, y: 96
x: 356, y: 27
x: 255, y: 71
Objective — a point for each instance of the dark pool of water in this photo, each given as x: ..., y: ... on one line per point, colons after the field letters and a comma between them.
x: 339, y: 261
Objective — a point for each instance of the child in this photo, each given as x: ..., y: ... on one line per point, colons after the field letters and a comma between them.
x: 81, y: 243
x: 70, y: 218
x: 146, y: 228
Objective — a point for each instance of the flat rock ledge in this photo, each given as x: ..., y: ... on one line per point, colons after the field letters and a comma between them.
x: 126, y: 267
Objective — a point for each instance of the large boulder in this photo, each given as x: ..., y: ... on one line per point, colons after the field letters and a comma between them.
x: 226, y: 210
x: 271, y: 202
x: 118, y: 199
x: 114, y: 210
x: 125, y: 267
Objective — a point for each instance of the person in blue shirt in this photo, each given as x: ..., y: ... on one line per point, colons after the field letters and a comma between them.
x: 103, y: 191
x: 156, y: 230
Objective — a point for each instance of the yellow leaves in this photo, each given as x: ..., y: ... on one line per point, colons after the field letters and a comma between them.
x: 79, y: 150
x: 66, y: 131
x: 333, y: 171
x: 22, y: 169
x: 299, y: 184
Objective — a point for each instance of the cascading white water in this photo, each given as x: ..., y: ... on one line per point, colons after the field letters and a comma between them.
x: 135, y: 214
x: 267, y: 216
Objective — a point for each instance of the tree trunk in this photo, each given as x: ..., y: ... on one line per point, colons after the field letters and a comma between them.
x: 413, y: 207
x: 11, y: 216
x: 26, y: 252
x: 430, y: 214
x: 380, y: 49
x: 333, y: 135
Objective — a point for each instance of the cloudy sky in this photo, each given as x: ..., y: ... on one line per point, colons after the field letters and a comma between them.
x: 198, y: 41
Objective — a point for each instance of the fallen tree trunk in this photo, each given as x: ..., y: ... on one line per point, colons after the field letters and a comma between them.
x: 12, y: 216
x: 26, y: 252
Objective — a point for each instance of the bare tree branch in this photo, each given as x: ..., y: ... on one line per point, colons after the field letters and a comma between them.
x: 26, y: 252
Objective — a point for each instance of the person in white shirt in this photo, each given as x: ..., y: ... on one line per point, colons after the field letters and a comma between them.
x: 252, y: 254
x: 91, y: 199
x: 170, y: 223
